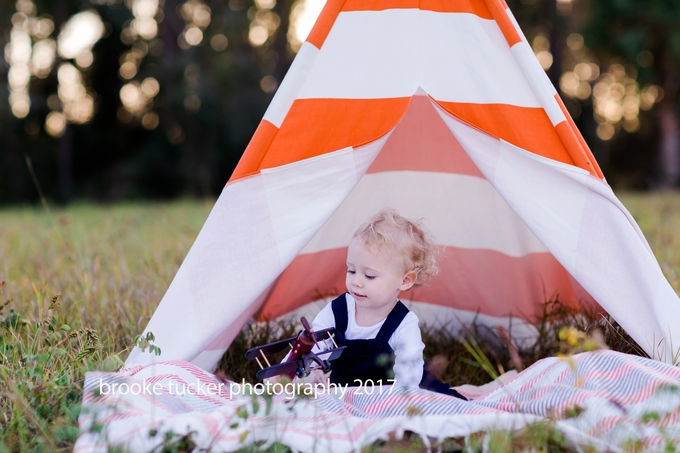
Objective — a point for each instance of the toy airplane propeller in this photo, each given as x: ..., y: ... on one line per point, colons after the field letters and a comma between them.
x: 301, y: 358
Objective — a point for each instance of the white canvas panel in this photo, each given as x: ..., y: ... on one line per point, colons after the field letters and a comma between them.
x: 303, y: 195
x: 367, y: 55
x: 215, y: 283
x: 390, y: 53
x: 538, y: 195
x: 258, y: 225
x: 615, y: 264
x: 539, y: 81
x: 473, y: 65
x: 460, y: 210
x: 532, y: 186
x: 588, y: 231
x: 291, y: 85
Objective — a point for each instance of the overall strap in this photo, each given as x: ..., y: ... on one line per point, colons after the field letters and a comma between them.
x: 339, y: 306
x: 392, y: 321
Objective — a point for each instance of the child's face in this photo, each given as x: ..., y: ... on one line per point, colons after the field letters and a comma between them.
x: 375, y: 278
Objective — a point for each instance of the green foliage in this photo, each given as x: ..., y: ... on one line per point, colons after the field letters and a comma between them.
x: 193, y: 150
x: 111, y: 363
x: 143, y: 342
x: 43, y: 364
x: 624, y: 28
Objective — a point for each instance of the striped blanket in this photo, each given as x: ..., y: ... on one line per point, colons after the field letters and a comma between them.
x: 605, y: 400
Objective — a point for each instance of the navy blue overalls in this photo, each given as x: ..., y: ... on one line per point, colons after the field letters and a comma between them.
x: 374, y: 358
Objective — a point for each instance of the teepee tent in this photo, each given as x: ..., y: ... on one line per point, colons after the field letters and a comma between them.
x: 439, y: 109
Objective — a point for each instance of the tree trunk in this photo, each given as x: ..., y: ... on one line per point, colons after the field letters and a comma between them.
x: 65, y: 164
x: 280, y: 44
x: 556, y: 27
x: 170, y: 117
x: 64, y: 150
x: 670, y: 144
x: 13, y: 175
x: 669, y: 152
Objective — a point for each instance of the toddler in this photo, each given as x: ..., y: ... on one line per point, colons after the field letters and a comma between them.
x: 387, y: 255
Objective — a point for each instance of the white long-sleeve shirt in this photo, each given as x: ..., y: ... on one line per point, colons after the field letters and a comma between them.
x: 406, y: 341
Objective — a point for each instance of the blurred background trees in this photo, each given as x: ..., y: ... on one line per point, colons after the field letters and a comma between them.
x: 121, y: 99
x: 616, y: 65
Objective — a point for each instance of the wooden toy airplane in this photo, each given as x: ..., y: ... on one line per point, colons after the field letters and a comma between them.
x: 301, y: 358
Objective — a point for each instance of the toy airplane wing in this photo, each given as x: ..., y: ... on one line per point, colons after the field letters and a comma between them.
x: 272, y: 348
x: 301, y: 360
x: 302, y: 366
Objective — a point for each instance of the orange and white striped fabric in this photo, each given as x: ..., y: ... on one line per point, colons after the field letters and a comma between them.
x: 439, y: 109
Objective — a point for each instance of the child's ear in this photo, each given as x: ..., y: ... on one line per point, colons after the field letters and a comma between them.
x: 409, y: 280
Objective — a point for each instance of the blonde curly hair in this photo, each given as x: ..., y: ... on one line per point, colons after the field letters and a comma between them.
x: 388, y: 230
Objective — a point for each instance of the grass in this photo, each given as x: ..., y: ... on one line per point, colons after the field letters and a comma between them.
x: 110, y: 266
x: 80, y: 283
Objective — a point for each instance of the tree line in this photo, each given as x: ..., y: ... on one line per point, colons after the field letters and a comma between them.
x: 153, y: 99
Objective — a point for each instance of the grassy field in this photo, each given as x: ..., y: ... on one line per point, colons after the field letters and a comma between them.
x: 78, y: 284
